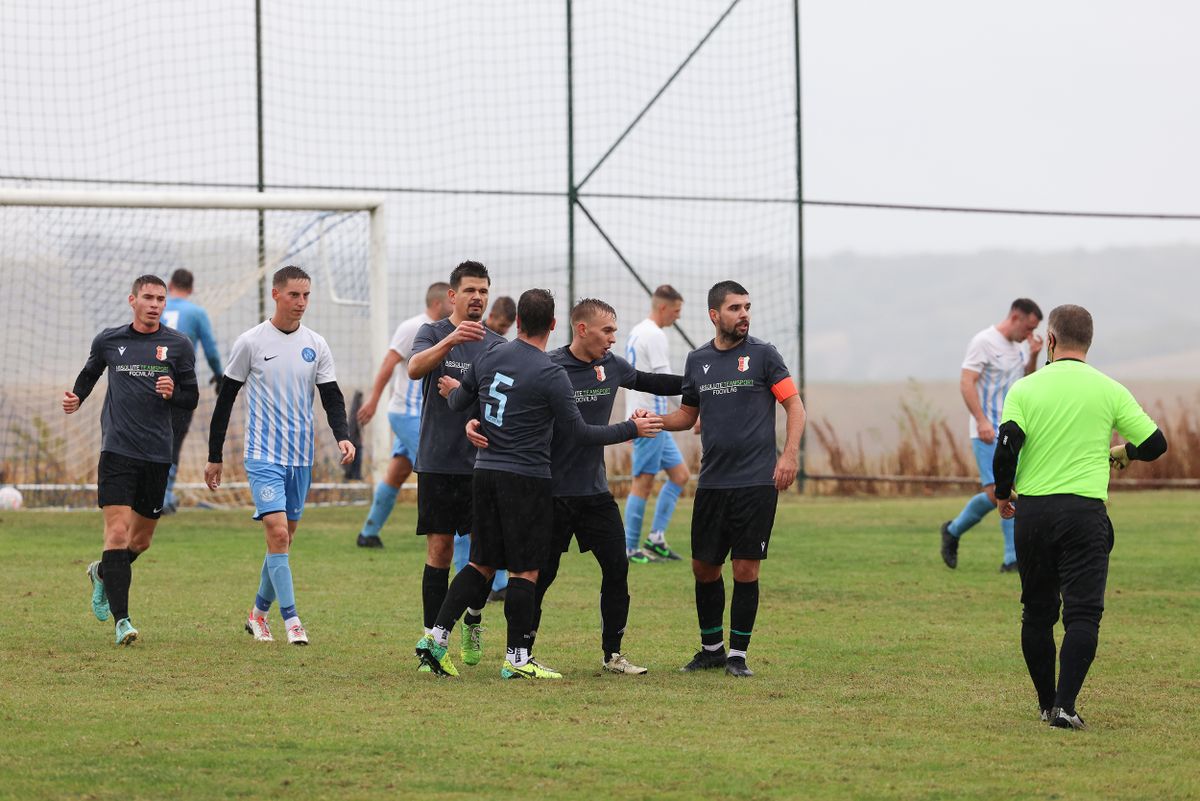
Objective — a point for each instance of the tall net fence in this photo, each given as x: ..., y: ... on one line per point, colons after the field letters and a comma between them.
x: 67, y: 274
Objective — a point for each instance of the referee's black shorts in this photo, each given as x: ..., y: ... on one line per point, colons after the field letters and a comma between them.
x: 593, y: 520
x: 126, y: 481
x: 444, y: 503
x: 733, y: 522
x: 514, y: 520
x: 1063, y: 543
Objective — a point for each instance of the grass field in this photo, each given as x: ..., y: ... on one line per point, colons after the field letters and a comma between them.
x: 881, y: 674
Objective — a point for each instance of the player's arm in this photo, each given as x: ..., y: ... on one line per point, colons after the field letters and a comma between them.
x: 460, y: 395
x: 85, y: 382
x: 682, y: 418
x: 217, y: 429
x: 382, y: 378
x: 334, y: 404
x: 181, y: 390
x: 658, y: 383
x: 207, y: 341
x: 788, y: 464
x: 561, y: 398
x: 967, y: 385
x: 427, y: 354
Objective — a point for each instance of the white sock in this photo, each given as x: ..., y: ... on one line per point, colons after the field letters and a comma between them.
x: 440, y: 635
x: 260, y: 612
x: 718, y: 647
x: 733, y: 653
x: 291, y: 621
x: 658, y: 537
x: 518, y: 657
x: 474, y: 612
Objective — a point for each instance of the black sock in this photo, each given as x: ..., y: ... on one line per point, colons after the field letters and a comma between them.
x: 133, y: 555
x: 433, y: 592
x: 710, y: 610
x: 478, y: 603
x: 117, y: 577
x: 742, y: 612
x: 614, y: 602
x: 519, y: 605
x: 1037, y: 644
x: 462, y: 593
x: 1078, y: 651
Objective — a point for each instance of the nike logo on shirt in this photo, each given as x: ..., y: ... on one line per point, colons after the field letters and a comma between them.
x: 268, y: 358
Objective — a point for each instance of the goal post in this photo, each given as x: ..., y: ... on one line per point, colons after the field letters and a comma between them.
x: 67, y: 258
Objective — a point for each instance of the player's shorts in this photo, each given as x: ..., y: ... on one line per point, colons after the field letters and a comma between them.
x: 735, y: 521
x: 656, y: 453
x: 407, y: 429
x: 514, y: 520
x: 984, y: 454
x: 181, y: 421
x: 136, y: 483
x: 593, y: 520
x: 278, y: 488
x: 444, y: 504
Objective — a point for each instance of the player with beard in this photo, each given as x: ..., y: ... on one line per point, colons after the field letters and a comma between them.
x: 734, y: 382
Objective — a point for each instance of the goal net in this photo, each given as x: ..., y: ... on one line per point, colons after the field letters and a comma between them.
x: 67, y: 261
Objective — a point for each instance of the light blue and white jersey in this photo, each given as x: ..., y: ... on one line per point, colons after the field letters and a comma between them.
x: 281, y: 372
x: 406, y: 393
x: 647, y: 350
x: 999, y: 362
x: 192, y: 321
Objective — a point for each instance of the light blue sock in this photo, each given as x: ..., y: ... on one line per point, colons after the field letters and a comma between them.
x: 266, y: 590
x: 1010, y: 548
x: 169, y: 497
x: 664, y: 507
x: 500, y: 581
x: 381, y: 507
x: 635, y: 510
x: 281, y: 579
x: 972, y: 513
x: 462, y: 551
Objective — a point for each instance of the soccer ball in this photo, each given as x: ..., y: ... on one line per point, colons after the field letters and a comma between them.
x: 10, y: 498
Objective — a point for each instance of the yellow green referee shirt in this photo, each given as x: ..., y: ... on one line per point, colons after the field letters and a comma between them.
x: 1068, y: 411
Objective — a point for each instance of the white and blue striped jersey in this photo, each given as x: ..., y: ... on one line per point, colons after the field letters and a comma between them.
x: 999, y: 362
x: 647, y: 350
x: 281, y: 372
x: 406, y: 393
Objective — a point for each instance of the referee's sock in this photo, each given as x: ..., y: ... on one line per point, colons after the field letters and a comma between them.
x: 1078, y: 651
x: 742, y: 611
x: 975, y: 510
x: 519, y: 605
x: 635, y: 511
x: 463, y: 591
x: 381, y: 506
x: 433, y: 594
x: 1037, y: 646
x: 117, y: 577
x: 710, y: 610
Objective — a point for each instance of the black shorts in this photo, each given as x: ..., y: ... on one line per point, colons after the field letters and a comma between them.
x: 514, y: 520
x: 125, y: 481
x: 181, y: 421
x: 593, y: 520
x: 443, y: 503
x: 1063, y: 543
x: 737, y: 520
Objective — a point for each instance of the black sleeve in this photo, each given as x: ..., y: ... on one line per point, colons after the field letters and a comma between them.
x: 187, y: 392
x: 465, y: 394
x: 85, y: 382
x: 220, y: 418
x: 658, y: 383
x: 1009, y: 440
x: 1154, y: 447
x: 335, y: 409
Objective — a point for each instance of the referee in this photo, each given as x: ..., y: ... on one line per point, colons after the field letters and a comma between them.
x: 1060, y: 421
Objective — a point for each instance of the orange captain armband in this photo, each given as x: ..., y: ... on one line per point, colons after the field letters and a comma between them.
x: 784, y: 389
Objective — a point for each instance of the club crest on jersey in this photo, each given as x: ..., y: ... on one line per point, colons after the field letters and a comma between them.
x: 743, y: 363
x: 160, y: 353
x: 309, y: 355
x: 599, y: 368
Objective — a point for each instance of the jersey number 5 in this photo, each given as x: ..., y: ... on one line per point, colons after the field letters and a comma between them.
x: 496, y: 417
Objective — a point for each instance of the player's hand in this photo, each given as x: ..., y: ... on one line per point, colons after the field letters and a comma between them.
x: 70, y: 402
x: 347, y: 449
x: 785, y: 470
x: 467, y: 331
x: 648, y: 425
x: 366, y: 412
x: 165, y: 386
x: 696, y: 428
x: 477, y: 439
x: 212, y: 474
x: 446, y: 385
x: 1118, y: 457
x: 1008, y: 506
x: 1035, y: 344
x: 216, y: 383
x: 987, y: 434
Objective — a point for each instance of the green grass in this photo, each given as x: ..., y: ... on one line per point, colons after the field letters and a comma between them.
x: 881, y: 674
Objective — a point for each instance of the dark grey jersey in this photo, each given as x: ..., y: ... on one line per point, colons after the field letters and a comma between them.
x: 735, y: 392
x: 577, y: 467
x: 520, y: 395
x: 135, y: 420
x: 443, y: 446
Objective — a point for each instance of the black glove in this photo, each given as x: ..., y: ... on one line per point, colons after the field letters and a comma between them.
x: 215, y: 381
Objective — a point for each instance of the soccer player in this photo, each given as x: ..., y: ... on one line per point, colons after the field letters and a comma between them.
x: 502, y: 315
x: 151, y: 372
x: 647, y: 350
x: 189, y: 318
x: 445, y: 459
x: 404, y: 411
x: 996, y: 357
x: 281, y: 361
x: 521, y: 395
x: 734, y: 382
x: 1060, y: 423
